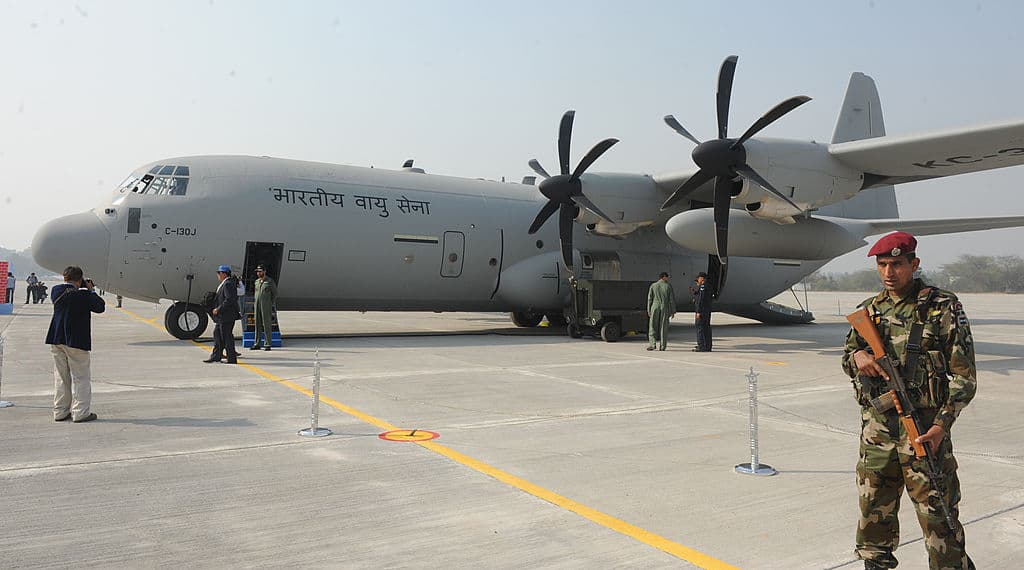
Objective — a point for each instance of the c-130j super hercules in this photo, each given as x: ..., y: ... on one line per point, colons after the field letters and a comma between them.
x: 764, y: 212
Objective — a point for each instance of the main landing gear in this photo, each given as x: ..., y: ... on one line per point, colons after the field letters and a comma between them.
x: 185, y: 321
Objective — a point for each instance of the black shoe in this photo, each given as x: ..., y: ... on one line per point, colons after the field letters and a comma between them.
x: 267, y: 349
x: 211, y: 359
x: 650, y: 348
x: 64, y: 419
x: 88, y: 418
x: 232, y: 361
x: 254, y: 347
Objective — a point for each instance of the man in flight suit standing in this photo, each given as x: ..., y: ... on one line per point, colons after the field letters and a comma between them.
x: 926, y: 333
x: 265, y: 293
x: 661, y: 306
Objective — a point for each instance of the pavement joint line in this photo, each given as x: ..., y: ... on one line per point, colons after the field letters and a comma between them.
x: 618, y: 525
x: 54, y: 466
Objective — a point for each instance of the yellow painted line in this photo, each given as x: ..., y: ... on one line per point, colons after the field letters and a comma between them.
x: 618, y: 525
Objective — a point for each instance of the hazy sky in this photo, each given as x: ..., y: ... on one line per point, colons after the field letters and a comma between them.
x: 91, y: 90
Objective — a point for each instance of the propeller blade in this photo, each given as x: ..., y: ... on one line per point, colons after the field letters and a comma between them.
x: 564, y: 138
x: 675, y: 126
x: 687, y: 188
x: 722, y: 200
x: 771, y: 116
x: 593, y: 155
x: 543, y: 216
x: 565, y: 216
x: 752, y: 175
x: 725, y: 75
x: 535, y: 165
x: 586, y: 203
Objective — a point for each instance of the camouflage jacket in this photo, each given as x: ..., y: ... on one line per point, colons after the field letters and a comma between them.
x: 946, y: 377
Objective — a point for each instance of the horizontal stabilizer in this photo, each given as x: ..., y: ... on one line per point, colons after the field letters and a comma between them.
x: 896, y: 159
x: 927, y: 227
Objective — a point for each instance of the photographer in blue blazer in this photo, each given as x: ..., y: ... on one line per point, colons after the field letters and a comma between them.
x: 70, y: 340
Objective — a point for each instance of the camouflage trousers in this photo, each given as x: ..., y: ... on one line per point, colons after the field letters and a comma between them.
x: 887, y: 465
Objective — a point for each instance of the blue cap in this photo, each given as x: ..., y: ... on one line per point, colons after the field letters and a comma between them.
x: 224, y: 269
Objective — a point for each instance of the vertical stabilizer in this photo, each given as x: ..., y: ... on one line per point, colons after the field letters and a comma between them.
x: 861, y: 118
x: 861, y: 115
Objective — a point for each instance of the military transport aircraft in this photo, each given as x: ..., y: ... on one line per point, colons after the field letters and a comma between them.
x: 349, y: 238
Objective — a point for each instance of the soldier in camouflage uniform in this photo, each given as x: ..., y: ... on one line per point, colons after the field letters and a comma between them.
x: 943, y: 383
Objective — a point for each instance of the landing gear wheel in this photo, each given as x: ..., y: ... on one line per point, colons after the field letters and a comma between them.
x: 526, y: 319
x: 611, y: 331
x: 557, y: 320
x: 574, y: 331
x: 185, y: 322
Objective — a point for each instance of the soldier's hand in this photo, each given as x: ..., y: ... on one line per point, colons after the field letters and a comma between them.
x: 933, y: 437
x: 867, y: 366
x: 215, y: 311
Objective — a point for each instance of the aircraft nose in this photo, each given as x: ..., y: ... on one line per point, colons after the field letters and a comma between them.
x: 78, y: 239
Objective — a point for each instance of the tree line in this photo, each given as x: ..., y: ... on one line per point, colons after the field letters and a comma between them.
x: 968, y: 274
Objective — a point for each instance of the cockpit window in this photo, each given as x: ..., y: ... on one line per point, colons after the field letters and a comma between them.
x: 161, y: 180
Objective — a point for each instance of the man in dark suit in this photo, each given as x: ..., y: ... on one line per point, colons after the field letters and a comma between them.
x: 70, y: 340
x: 702, y: 314
x: 225, y: 313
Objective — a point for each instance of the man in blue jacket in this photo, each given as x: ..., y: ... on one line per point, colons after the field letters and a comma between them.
x: 70, y: 340
x: 225, y: 313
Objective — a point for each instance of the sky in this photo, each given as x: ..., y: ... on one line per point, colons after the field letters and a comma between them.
x: 92, y: 90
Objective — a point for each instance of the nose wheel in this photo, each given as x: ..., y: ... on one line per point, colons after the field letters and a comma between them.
x: 185, y: 321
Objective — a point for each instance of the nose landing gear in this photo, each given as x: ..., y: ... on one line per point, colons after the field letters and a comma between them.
x: 185, y: 321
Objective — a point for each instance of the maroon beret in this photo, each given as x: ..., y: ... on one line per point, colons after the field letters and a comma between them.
x: 894, y: 244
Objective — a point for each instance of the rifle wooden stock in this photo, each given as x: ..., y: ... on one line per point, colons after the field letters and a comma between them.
x: 861, y: 322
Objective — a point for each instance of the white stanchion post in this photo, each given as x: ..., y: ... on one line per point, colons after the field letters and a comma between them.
x: 314, y: 429
x: 3, y: 404
x: 755, y: 467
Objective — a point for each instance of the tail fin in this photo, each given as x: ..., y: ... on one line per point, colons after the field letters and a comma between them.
x: 861, y: 118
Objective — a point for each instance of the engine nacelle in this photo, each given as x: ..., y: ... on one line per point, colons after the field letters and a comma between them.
x: 632, y: 200
x: 804, y: 239
x: 803, y: 171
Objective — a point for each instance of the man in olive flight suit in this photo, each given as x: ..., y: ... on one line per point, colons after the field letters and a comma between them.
x: 265, y: 293
x: 941, y: 384
x: 661, y: 306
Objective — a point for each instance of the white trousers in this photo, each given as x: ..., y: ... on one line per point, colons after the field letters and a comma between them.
x: 72, y: 382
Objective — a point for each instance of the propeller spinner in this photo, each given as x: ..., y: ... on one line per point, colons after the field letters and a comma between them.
x: 723, y: 158
x: 565, y: 191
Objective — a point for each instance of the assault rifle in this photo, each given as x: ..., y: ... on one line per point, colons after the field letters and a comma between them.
x: 897, y: 397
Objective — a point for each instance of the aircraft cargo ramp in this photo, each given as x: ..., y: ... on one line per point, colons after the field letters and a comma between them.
x: 552, y: 452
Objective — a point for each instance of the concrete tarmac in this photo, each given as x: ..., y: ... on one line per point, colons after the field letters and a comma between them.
x: 553, y: 452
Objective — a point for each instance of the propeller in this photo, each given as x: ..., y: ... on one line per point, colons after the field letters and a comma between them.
x: 564, y: 191
x: 723, y: 159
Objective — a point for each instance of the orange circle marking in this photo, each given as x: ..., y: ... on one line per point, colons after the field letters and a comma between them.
x: 409, y: 435
x: 776, y: 363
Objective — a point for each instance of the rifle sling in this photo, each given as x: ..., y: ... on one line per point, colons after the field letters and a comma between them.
x: 916, y: 334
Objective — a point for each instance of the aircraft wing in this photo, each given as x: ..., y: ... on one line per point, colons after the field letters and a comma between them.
x: 896, y: 159
x: 926, y: 227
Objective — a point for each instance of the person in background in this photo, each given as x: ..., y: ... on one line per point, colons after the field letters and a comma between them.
x: 225, y: 313
x: 661, y: 306
x: 11, y: 282
x: 70, y: 340
x: 265, y: 293
x: 31, y: 290
x: 702, y: 314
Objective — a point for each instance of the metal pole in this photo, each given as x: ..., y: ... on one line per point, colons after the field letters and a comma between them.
x: 755, y: 467
x: 3, y: 404
x: 314, y: 416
